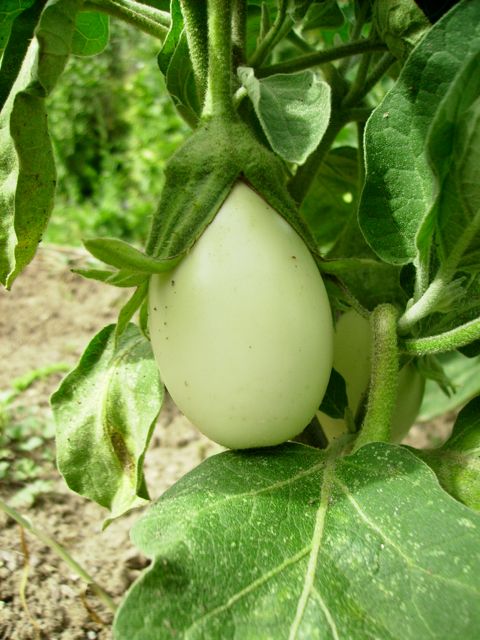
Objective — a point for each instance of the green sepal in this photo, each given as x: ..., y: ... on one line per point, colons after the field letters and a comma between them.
x: 199, y: 177
x: 121, y: 278
x: 123, y: 256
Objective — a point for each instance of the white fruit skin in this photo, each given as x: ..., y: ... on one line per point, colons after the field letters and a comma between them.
x: 352, y: 345
x: 241, y: 329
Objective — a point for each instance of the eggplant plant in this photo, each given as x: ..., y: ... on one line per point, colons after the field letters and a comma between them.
x: 314, y: 260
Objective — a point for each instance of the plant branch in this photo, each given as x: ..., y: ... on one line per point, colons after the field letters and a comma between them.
x: 321, y: 57
x: 62, y: 553
x: 148, y: 19
x: 435, y: 292
x: 382, y: 392
x: 448, y: 341
x: 376, y: 74
x: 302, y: 180
x: 271, y: 37
x: 219, y: 91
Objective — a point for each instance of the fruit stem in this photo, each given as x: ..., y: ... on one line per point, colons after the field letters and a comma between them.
x: 382, y: 393
x: 218, y: 102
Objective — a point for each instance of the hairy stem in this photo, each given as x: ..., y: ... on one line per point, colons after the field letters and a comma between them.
x: 448, y: 341
x: 219, y: 92
x: 239, y: 32
x: 382, y: 393
x: 195, y: 19
x: 435, y: 292
x: 321, y: 57
x: 62, y: 553
x: 271, y: 37
x: 148, y: 19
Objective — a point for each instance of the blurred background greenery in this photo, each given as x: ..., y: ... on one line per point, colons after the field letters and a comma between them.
x: 113, y: 126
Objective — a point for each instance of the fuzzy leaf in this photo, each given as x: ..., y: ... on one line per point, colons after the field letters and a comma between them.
x: 457, y: 462
x: 464, y: 375
x: 91, y: 33
x: 294, y: 543
x: 105, y: 411
x: 27, y: 167
x: 400, y: 187
x: 293, y: 109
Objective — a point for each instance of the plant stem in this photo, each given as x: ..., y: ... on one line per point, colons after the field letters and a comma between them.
x: 356, y: 32
x: 382, y: 393
x: 435, y: 292
x: 302, y: 180
x: 148, y: 19
x: 376, y: 74
x: 195, y: 20
x: 239, y: 32
x: 448, y: 341
x: 321, y: 57
x: 62, y: 553
x: 219, y: 90
x: 270, y: 39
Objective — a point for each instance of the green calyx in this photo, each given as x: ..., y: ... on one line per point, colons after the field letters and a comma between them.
x: 199, y: 177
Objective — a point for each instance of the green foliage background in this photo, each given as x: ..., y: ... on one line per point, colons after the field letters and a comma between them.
x: 113, y: 126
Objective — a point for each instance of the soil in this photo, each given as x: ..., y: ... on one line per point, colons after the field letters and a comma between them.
x: 49, y: 317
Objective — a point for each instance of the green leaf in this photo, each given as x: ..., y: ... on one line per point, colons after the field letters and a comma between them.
x: 9, y: 11
x: 335, y: 400
x: 400, y: 24
x: 121, y: 278
x: 400, y: 187
x: 27, y: 167
x: 325, y: 14
x: 453, y: 225
x: 120, y: 254
x: 91, y: 33
x: 372, y: 282
x: 295, y: 543
x: 18, y: 20
x: 105, y: 411
x: 332, y: 199
x: 293, y: 109
x: 463, y: 373
x: 175, y: 64
x: 457, y: 462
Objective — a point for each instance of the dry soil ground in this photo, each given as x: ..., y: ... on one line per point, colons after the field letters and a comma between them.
x: 49, y: 317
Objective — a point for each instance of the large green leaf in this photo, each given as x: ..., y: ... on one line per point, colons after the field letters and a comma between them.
x: 463, y: 373
x: 457, y: 462
x: 91, y: 33
x: 400, y: 186
x: 295, y: 543
x: 453, y: 225
x: 293, y: 109
x: 105, y: 410
x: 27, y: 168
